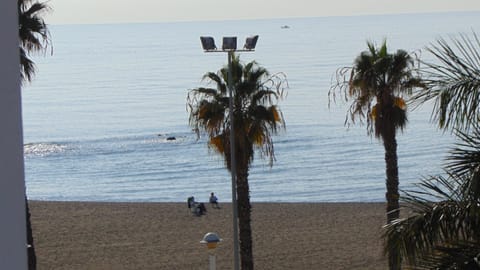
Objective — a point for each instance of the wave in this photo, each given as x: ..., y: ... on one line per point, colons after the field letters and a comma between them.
x: 43, y: 149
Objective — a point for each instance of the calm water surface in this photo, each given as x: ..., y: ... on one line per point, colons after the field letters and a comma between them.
x: 97, y: 116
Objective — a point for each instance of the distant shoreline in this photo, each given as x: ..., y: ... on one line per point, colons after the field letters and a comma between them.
x: 142, y: 235
x: 178, y: 202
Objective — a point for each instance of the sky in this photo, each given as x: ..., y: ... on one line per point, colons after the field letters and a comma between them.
x: 128, y: 11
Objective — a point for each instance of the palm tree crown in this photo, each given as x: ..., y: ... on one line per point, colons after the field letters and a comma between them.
x: 256, y: 114
x: 33, y: 34
x: 377, y: 84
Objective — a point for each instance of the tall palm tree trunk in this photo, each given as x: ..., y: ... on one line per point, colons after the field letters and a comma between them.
x: 392, y: 195
x: 244, y: 218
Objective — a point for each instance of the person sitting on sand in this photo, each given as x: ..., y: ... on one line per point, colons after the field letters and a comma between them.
x: 196, y: 207
x: 214, y: 200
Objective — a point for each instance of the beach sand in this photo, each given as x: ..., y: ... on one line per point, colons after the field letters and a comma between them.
x: 91, y: 235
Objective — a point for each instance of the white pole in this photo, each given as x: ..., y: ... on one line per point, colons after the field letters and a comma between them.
x: 211, y: 259
x: 13, y: 239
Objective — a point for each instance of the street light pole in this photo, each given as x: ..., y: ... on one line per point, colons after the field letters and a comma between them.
x: 211, y: 240
x: 233, y: 163
x: 230, y: 46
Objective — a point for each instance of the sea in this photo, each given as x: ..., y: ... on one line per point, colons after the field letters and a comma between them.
x: 106, y: 97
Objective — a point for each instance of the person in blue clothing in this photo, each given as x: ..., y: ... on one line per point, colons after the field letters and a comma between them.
x: 214, y: 200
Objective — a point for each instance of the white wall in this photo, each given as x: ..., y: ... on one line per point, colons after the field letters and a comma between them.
x: 13, y: 253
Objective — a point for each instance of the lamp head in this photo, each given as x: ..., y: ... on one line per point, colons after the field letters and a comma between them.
x: 229, y: 43
x: 250, y: 43
x: 208, y: 44
x: 211, y: 240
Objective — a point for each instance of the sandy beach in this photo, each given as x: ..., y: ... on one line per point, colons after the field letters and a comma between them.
x: 90, y: 235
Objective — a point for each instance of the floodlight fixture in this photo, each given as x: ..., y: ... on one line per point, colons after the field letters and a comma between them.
x: 250, y: 43
x: 208, y: 44
x: 229, y: 43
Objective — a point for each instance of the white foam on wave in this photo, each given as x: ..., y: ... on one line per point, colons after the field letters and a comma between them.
x: 43, y: 149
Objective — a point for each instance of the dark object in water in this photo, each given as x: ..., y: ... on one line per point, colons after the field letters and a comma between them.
x: 171, y: 138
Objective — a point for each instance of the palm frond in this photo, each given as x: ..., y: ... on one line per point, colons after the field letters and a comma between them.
x: 465, y: 156
x: 218, y: 80
x: 34, y: 35
x: 218, y: 143
x: 27, y: 66
x: 462, y: 255
x: 436, y: 215
x: 443, y: 215
x: 453, y: 83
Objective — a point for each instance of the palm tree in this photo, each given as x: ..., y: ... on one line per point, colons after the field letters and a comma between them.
x: 376, y: 85
x: 442, y: 231
x: 33, y: 34
x: 33, y: 37
x: 256, y: 119
x: 453, y: 82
